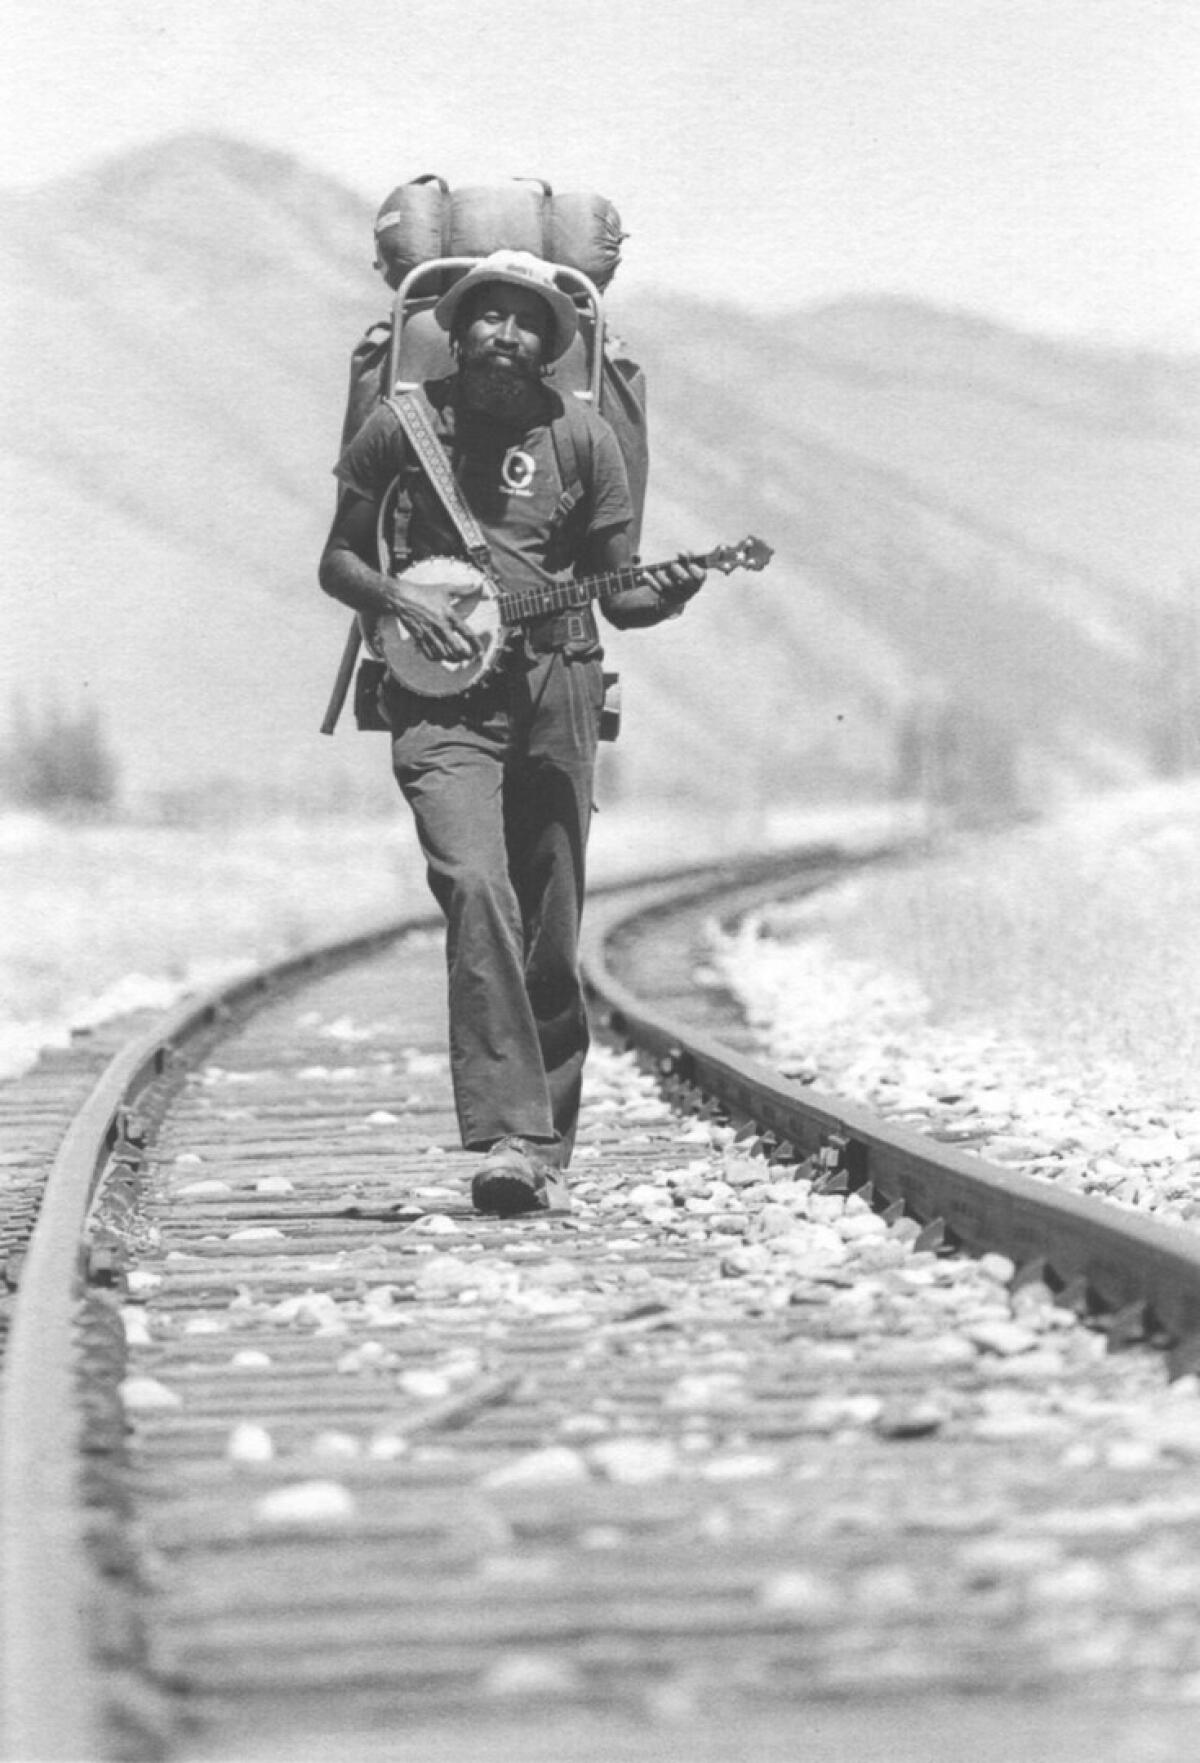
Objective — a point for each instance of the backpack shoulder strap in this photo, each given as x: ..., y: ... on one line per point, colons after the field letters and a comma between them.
x: 566, y: 440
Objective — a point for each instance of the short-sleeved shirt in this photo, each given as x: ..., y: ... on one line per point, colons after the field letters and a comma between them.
x: 509, y: 479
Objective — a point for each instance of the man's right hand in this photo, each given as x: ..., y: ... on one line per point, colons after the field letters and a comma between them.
x: 439, y: 636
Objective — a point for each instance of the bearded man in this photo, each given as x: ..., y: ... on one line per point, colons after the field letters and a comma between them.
x: 499, y: 780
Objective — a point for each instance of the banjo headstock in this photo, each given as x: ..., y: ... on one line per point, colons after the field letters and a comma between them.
x: 750, y: 554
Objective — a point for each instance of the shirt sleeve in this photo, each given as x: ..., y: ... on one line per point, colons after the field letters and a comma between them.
x: 372, y: 459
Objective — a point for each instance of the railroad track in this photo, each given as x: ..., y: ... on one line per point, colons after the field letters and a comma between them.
x: 301, y: 1458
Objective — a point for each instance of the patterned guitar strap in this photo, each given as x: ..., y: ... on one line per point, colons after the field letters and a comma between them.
x: 412, y: 408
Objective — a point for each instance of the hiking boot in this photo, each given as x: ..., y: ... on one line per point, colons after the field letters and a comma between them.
x: 517, y: 1176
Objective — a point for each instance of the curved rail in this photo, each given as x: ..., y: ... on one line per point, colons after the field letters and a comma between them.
x: 49, y: 1700
x: 1145, y: 1276
x: 45, y: 1582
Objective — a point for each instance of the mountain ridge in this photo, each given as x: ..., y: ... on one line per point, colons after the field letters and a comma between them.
x: 970, y: 521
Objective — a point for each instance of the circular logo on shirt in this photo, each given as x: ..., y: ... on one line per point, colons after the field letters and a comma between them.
x: 517, y: 470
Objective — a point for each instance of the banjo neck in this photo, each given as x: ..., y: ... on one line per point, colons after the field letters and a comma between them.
x: 570, y: 595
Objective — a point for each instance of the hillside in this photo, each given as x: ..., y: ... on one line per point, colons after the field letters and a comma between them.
x: 962, y: 515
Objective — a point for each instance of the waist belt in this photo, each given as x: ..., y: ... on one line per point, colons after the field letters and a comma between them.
x: 563, y: 630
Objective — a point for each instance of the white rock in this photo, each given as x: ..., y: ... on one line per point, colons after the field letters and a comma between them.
x: 385, y: 1447
x: 1010, y: 1428
x: 382, y: 1117
x: 437, y: 1224
x: 311, y: 1310
x: 307, y: 1502
x: 583, y: 1428
x: 256, y: 1233
x: 828, y: 1413
x: 1072, y: 1582
x: 647, y: 1193
x: 136, y: 1326
x: 634, y: 1461
x: 251, y: 1359
x: 187, y: 1158
x: 141, y: 1283
x: 859, y: 1226
x: 531, y: 1675
x: 744, y: 1466
x: 1009, y: 1148
x: 555, y: 1466
x: 428, y: 1386
x: 1150, y: 1148
x: 1000, y: 1556
x: 248, y: 1443
x: 888, y: 1591
x: 804, y: 1595
x: 715, y: 1392
x: 342, y: 1445
x: 145, y: 1395
x: 274, y: 1184
x: 1132, y: 1453
x: 196, y: 1190
x: 1004, y: 1338
x: 647, y: 1114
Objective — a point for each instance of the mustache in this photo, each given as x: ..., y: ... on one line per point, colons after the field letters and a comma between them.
x: 485, y: 355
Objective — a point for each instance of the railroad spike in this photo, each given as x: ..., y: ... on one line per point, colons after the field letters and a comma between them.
x: 931, y: 1237
x: 1183, y: 1360
x: 1129, y: 1326
x: 1033, y: 1272
x: 131, y: 1128
x: 1077, y: 1295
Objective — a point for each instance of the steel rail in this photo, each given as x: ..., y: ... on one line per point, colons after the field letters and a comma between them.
x: 1143, y: 1275
x: 50, y: 1697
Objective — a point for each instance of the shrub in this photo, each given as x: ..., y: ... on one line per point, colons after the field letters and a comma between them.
x: 58, y: 760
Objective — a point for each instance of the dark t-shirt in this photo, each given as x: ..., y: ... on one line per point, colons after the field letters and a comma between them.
x: 509, y: 480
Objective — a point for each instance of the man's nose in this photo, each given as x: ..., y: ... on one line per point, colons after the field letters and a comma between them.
x: 507, y: 332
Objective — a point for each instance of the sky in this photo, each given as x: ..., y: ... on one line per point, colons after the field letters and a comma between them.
x: 1037, y: 160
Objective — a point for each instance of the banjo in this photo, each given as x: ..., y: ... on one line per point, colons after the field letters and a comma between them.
x: 453, y: 585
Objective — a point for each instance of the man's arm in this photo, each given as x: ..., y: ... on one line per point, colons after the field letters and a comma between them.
x: 660, y: 593
x: 347, y: 573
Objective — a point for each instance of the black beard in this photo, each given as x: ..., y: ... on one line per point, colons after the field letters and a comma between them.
x: 511, y: 393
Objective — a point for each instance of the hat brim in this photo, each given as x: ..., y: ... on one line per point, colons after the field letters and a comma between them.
x: 562, y: 307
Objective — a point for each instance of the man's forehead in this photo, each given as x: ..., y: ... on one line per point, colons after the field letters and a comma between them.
x: 510, y: 298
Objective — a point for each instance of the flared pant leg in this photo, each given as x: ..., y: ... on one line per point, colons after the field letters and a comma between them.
x: 502, y: 799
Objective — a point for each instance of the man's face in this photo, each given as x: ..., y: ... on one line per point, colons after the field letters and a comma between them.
x: 506, y: 328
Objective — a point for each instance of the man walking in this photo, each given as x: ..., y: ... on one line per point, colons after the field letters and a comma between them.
x: 499, y: 779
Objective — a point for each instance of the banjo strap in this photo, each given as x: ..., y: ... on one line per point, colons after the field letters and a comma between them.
x: 412, y: 409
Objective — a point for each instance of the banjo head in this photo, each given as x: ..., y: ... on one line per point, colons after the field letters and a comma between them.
x: 443, y: 584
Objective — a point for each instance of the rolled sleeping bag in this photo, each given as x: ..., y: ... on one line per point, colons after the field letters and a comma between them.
x: 412, y: 225
x: 495, y: 217
x: 583, y: 231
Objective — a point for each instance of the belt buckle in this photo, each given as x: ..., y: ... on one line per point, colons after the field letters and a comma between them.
x: 575, y: 627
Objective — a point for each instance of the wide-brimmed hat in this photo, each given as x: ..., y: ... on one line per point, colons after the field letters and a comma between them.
x: 523, y: 270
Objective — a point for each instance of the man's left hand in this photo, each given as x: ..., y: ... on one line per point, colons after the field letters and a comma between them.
x: 676, y: 582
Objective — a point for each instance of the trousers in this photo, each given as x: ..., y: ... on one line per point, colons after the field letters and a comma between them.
x: 500, y: 787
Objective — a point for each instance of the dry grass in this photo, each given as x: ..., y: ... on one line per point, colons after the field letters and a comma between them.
x: 85, y: 907
x: 101, y: 919
x: 1082, y: 937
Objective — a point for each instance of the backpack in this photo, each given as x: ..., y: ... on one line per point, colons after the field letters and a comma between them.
x: 582, y: 231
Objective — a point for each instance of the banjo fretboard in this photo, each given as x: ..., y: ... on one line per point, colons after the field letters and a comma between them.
x: 568, y: 596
